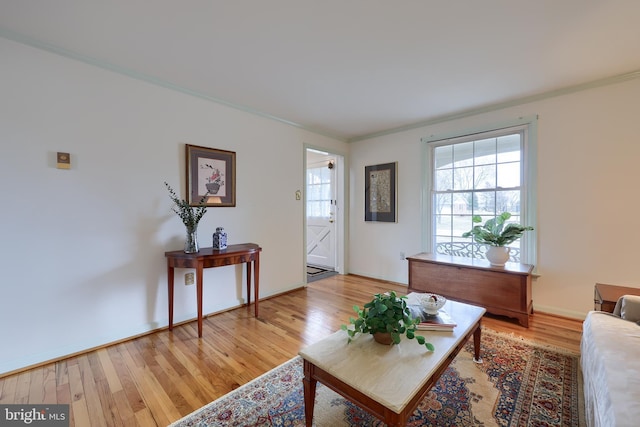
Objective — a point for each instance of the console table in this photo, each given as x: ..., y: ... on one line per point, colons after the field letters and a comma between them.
x: 248, y: 253
x: 505, y: 291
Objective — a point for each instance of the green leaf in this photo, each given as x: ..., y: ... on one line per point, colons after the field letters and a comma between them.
x: 395, y: 337
x: 430, y: 346
x: 495, y: 232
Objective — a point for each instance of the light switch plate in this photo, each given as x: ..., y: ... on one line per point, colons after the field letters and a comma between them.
x: 63, y: 160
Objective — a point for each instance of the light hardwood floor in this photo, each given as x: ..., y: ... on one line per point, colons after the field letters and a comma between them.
x: 158, y: 378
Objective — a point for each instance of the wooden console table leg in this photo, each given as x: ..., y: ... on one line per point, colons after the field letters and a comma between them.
x: 256, y: 281
x: 248, y: 284
x: 199, y: 296
x: 170, y: 283
x: 309, y: 389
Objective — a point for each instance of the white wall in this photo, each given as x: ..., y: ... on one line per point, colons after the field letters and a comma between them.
x: 588, y: 178
x: 83, y: 249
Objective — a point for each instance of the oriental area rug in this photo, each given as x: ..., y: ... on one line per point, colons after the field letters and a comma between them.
x: 519, y: 383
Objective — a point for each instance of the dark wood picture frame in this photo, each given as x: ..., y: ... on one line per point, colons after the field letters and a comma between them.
x: 211, y: 173
x: 380, y: 187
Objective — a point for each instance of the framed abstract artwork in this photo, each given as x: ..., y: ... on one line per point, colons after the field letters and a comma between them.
x: 380, y: 192
x: 211, y: 174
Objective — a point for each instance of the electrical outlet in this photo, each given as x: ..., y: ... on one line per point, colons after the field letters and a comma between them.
x: 402, y: 255
x: 189, y: 279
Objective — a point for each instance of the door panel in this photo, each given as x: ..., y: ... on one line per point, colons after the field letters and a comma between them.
x: 321, y: 218
x: 320, y: 242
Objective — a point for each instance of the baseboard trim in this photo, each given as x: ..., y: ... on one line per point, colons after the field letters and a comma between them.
x: 559, y: 312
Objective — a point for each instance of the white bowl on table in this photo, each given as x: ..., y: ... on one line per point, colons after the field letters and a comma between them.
x: 431, y: 303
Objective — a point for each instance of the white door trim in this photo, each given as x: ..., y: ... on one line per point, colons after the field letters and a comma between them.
x: 341, y: 209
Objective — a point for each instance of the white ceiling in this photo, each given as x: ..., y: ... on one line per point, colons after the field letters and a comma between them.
x: 344, y: 68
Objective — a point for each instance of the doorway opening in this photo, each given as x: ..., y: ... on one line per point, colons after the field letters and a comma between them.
x: 324, y: 223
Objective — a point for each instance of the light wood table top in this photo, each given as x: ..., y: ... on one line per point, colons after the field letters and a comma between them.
x: 393, y: 376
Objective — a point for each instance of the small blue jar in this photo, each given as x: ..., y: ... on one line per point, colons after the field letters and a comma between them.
x: 220, y: 239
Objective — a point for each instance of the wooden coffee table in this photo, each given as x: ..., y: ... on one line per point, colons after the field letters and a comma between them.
x: 387, y: 381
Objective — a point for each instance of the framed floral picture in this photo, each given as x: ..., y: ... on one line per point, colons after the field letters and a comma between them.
x: 380, y: 192
x: 211, y: 174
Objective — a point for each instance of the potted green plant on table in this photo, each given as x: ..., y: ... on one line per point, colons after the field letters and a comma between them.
x: 387, y: 318
x: 496, y: 234
x: 190, y: 217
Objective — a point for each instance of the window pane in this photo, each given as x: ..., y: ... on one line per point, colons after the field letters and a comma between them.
x: 443, y: 157
x: 314, y: 192
x: 318, y: 192
x: 485, y: 151
x: 463, y: 178
x: 463, y: 154
x: 444, y: 180
x: 509, y: 175
x: 509, y: 147
x: 486, y: 203
x: 462, y: 202
x: 312, y: 209
x: 485, y: 177
x: 443, y: 225
x: 508, y: 201
x: 461, y: 224
x: 325, y: 192
x: 442, y: 204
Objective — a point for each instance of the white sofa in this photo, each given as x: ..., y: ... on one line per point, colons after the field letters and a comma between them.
x: 610, y: 361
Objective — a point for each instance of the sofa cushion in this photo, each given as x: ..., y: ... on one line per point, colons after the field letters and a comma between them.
x: 628, y: 307
x: 611, y: 370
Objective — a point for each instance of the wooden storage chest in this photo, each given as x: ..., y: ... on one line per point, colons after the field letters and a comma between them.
x: 504, y: 291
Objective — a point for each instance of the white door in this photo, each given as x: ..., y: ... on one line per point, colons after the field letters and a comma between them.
x: 321, y: 213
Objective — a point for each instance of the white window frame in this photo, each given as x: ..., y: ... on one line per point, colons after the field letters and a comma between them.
x: 528, y: 125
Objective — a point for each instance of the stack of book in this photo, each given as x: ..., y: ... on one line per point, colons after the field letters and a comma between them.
x: 428, y: 322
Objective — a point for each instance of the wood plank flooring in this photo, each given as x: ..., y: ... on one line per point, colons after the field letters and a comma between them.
x: 161, y: 377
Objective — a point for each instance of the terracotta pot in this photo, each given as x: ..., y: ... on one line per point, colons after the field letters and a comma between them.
x: 383, y: 338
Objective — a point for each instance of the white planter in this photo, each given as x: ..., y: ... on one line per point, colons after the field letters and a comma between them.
x: 498, y: 255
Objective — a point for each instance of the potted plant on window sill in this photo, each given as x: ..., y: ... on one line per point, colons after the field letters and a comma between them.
x: 496, y: 235
x: 387, y: 318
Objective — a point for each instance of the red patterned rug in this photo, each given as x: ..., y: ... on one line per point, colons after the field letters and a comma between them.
x: 519, y: 384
